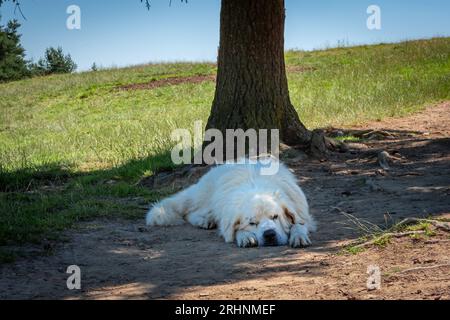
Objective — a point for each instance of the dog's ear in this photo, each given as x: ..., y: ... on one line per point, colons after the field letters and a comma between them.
x: 289, y: 215
x: 292, y: 217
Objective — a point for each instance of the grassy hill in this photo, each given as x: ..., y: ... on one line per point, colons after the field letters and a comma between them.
x: 73, y: 146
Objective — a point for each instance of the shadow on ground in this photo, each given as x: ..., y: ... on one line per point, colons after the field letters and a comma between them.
x: 124, y: 259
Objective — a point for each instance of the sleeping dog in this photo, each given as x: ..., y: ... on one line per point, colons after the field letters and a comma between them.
x: 246, y: 205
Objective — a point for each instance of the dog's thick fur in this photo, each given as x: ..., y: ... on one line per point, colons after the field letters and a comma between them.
x: 246, y: 206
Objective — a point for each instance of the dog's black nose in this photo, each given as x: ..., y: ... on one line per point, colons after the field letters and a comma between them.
x: 270, y: 237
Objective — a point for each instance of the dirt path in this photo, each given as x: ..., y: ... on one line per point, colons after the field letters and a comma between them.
x: 121, y: 259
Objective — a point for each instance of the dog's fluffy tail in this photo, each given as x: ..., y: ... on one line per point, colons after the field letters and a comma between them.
x: 170, y: 211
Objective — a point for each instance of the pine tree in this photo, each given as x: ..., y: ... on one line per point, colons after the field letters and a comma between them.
x: 54, y: 61
x: 13, y: 65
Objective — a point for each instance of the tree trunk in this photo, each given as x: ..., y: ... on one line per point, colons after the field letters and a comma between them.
x: 252, y: 89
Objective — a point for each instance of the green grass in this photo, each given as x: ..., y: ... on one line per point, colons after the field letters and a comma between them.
x: 7, y: 256
x: 72, y: 147
x: 426, y: 227
x: 348, y: 138
x: 383, y: 238
x: 354, y: 250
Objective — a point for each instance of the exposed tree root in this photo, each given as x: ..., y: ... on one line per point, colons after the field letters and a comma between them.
x: 387, y: 235
x: 371, y: 134
x: 445, y: 226
x: 320, y: 145
x: 441, y: 225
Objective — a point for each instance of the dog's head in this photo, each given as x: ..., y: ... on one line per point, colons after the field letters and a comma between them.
x: 268, y: 217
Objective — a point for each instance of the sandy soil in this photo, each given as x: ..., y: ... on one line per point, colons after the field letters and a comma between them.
x: 122, y: 259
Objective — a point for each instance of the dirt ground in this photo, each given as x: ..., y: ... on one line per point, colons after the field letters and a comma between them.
x: 122, y: 259
x: 168, y: 82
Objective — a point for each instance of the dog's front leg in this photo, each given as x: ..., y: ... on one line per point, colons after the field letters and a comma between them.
x: 299, y: 236
x: 246, y: 239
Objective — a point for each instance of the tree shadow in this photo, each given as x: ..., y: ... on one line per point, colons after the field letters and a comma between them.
x: 125, y: 259
x: 27, y: 179
x: 58, y: 173
x: 37, y: 203
x: 163, y: 262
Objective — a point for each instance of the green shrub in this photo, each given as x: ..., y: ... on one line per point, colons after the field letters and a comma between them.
x: 54, y: 61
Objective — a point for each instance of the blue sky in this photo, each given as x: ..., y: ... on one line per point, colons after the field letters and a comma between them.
x: 123, y: 32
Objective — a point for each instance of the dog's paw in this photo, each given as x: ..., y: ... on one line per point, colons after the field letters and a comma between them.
x: 201, y: 221
x: 245, y: 239
x: 299, y: 237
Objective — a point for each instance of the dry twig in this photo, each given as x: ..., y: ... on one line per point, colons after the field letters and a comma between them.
x: 426, y: 268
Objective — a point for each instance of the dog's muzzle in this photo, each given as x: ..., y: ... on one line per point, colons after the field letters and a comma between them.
x: 270, y: 238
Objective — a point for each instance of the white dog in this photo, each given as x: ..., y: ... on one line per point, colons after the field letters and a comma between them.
x: 246, y: 206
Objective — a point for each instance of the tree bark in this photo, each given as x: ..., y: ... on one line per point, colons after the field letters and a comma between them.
x: 252, y: 88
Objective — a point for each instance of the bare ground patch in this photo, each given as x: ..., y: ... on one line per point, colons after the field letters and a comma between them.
x: 123, y: 259
x: 300, y: 69
x: 172, y: 81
